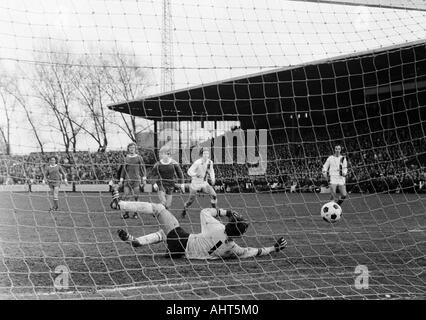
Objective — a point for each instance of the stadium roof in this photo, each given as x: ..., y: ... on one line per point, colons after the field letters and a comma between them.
x: 243, y: 97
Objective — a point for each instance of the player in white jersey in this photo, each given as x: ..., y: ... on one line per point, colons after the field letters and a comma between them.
x: 215, y: 241
x: 199, y: 172
x: 336, y: 167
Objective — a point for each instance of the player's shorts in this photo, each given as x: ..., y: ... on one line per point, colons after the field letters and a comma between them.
x: 54, y: 184
x: 198, y: 186
x: 132, y: 188
x: 340, y: 181
x: 54, y: 187
x: 177, y: 240
x: 166, y: 188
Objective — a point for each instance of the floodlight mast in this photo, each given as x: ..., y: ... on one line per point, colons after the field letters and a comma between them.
x: 167, y: 74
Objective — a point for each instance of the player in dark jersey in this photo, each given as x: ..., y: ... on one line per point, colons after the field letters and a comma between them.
x: 165, y: 173
x: 54, y: 174
x: 132, y: 175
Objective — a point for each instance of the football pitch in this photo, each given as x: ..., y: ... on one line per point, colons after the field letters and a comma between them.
x: 380, y: 238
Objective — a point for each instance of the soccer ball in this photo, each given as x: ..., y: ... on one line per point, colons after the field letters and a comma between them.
x: 331, y: 212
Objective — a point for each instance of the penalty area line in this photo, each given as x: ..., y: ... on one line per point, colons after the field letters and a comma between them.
x: 108, y: 290
x: 154, y: 286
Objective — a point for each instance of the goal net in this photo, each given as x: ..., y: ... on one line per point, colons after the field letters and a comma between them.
x: 271, y: 88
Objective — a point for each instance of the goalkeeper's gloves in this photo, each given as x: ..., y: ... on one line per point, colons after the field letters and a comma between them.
x: 144, y: 180
x: 233, y: 215
x: 115, y: 199
x: 280, y: 244
x: 182, y: 187
x: 114, y: 204
x: 213, y: 182
x: 123, y: 235
x: 155, y: 187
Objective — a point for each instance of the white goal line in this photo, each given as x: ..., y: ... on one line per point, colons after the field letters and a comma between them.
x: 108, y: 290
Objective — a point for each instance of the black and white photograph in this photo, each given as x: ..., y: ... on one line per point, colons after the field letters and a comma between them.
x: 187, y: 151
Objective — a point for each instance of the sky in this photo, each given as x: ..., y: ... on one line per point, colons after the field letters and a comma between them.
x: 212, y: 40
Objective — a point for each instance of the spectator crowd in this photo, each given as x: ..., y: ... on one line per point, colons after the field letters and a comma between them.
x: 392, y: 161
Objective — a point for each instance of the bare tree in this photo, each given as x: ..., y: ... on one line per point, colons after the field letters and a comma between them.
x: 53, y: 86
x: 126, y: 80
x: 5, y: 131
x: 16, y: 91
x: 89, y: 81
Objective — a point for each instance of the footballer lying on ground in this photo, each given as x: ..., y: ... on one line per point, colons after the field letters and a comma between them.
x: 215, y: 240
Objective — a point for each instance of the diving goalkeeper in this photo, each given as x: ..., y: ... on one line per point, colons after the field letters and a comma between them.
x: 216, y: 240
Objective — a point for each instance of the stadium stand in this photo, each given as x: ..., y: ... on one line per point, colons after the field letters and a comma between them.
x: 391, y: 161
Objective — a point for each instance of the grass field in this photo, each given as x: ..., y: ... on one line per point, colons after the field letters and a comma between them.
x: 386, y: 233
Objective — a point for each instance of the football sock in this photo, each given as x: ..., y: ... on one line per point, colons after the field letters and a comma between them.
x: 132, y: 206
x: 151, y: 238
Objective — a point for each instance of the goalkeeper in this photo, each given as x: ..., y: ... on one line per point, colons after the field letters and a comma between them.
x: 216, y: 240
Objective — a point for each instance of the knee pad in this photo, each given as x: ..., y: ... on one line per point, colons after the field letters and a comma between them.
x: 214, y: 198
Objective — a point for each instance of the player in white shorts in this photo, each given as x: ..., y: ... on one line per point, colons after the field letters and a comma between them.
x: 215, y: 241
x: 336, y: 167
x: 199, y: 172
